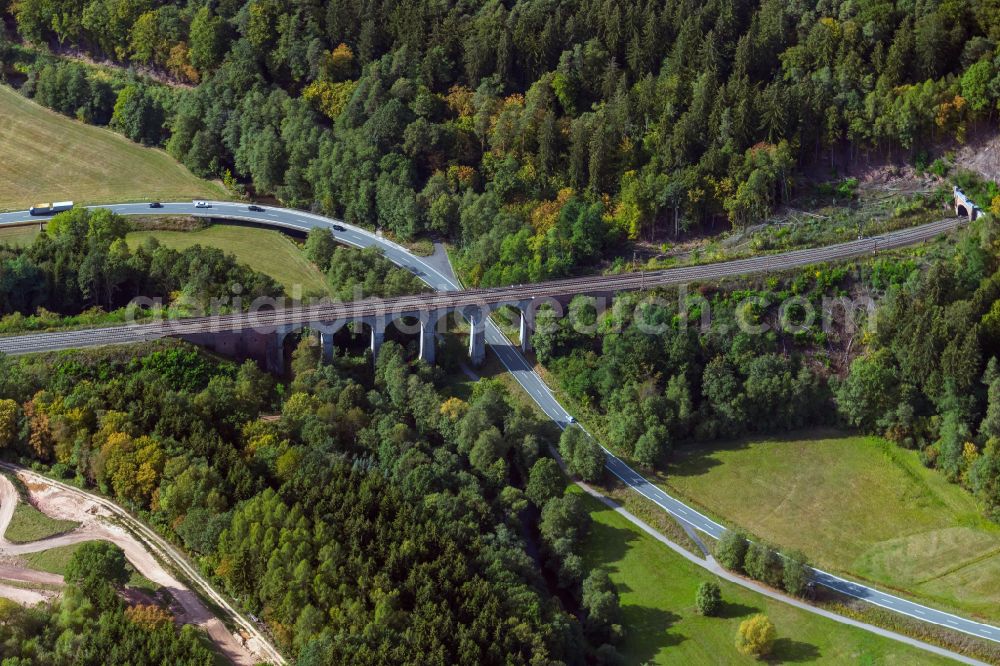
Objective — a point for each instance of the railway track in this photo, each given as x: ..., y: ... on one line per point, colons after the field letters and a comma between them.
x: 484, y: 299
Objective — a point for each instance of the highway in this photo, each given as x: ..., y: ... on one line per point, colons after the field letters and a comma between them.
x: 511, y: 357
x: 449, y: 295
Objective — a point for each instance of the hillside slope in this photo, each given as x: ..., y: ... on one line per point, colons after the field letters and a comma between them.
x: 49, y: 157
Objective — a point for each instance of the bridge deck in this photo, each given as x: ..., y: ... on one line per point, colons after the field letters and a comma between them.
x: 470, y: 300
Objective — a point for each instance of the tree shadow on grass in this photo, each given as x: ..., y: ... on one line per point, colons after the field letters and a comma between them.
x: 788, y: 651
x: 608, y: 544
x: 647, y: 628
x: 729, y: 610
x: 648, y: 632
x: 698, y: 458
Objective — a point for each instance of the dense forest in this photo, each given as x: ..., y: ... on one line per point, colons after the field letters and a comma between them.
x: 655, y: 374
x: 375, y: 521
x: 538, y: 133
x: 930, y: 378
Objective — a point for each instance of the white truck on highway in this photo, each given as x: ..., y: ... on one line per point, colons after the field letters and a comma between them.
x: 50, y: 208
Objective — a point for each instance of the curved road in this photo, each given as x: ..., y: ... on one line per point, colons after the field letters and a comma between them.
x: 441, y: 279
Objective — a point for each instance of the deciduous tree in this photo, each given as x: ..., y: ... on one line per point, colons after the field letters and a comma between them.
x: 755, y: 637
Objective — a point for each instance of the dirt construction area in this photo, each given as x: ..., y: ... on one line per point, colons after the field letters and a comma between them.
x: 95, y: 524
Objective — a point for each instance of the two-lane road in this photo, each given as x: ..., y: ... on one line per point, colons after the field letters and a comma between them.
x: 277, y: 217
x: 514, y: 361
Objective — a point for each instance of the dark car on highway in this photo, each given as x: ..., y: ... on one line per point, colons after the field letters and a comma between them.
x: 338, y: 227
x: 156, y: 204
x: 256, y: 209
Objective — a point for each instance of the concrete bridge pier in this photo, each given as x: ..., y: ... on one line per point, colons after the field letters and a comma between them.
x: 266, y: 348
x: 428, y: 337
x: 527, y: 327
x: 326, y: 332
x: 378, y: 337
x: 274, y: 360
x: 326, y: 344
x: 477, y: 338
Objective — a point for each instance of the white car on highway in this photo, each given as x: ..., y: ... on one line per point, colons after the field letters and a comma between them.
x: 202, y: 204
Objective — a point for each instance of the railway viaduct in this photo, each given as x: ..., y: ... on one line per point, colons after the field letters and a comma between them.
x: 262, y: 337
x: 260, y: 333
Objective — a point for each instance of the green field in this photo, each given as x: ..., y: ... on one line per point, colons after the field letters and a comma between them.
x: 53, y: 560
x: 48, y: 157
x: 264, y: 250
x: 657, y: 589
x: 30, y: 524
x: 853, y: 504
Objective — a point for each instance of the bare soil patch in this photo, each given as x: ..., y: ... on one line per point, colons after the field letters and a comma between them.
x: 64, y: 504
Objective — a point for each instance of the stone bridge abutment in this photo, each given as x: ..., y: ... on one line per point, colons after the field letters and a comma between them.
x: 964, y: 206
